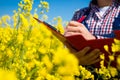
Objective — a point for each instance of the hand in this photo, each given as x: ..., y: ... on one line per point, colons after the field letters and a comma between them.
x: 84, y: 56
x: 76, y: 28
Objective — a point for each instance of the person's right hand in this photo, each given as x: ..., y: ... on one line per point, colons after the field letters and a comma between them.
x: 76, y: 28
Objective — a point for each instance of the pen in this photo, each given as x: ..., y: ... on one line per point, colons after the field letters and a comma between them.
x: 81, y: 19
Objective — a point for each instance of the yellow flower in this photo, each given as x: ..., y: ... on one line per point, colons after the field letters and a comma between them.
x: 47, y: 62
x: 102, y: 63
x: 23, y: 73
x: 27, y: 43
x: 102, y: 56
x: 24, y: 22
x: 104, y: 72
x: 106, y: 48
x: 118, y: 62
x: 45, y: 4
x: 15, y: 19
x: 5, y: 19
x: 117, y: 41
x: 42, y: 72
x: 115, y: 48
x: 30, y: 65
x: 113, y: 71
x: 28, y: 6
x: 111, y: 57
x: 30, y: 49
x: 26, y: 1
x: 7, y: 75
x: 44, y: 29
x: 39, y: 78
x: 68, y: 78
x: 85, y: 73
x: 52, y: 77
x: 28, y: 78
x: 20, y: 4
x: 29, y: 55
x: 42, y: 50
x: 44, y: 17
x: 20, y: 37
x: 65, y: 61
x: 59, y: 25
x: 2, y: 47
x: 9, y: 52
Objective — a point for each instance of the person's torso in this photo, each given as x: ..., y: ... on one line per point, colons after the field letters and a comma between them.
x: 100, y: 23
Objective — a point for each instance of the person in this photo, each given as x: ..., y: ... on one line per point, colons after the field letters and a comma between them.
x: 100, y: 22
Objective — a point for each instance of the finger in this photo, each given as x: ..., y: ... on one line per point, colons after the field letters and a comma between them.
x: 95, y: 57
x: 74, y: 23
x: 92, y: 53
x: 95, y: 61
x: 73, y: 29
x: 83, y: 51
x: 71, y: 34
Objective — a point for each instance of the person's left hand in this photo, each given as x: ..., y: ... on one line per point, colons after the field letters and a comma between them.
x: 85, y: 56
x: 76, y: 28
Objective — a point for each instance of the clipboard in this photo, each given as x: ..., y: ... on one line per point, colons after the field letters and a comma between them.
x: 78, y: 42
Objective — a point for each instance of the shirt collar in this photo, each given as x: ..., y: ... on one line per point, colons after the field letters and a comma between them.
x: 95, y: 8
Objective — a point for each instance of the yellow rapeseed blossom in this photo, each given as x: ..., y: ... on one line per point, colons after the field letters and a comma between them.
x: 59, y: 25
x: 23, y: 73
x: 15, y: 20
x: 115, y: 48
x: 9, y: 53
x: 20, y: 38
x: 42, y: 50
x: 111, y: 57
x: 30, y: 65
x: 113, y: 71
x: 118, y: 62
x: 28, y: 43
x: 2, y: 48
x: 43, y: 72
x: 5, y: 20
x: 102, y: 56
x: 106, y: 48
x: 117, y: 41
x: 45, y: 4
x: 7, y: 75
x: 47, y: 62
x: 104, y: 72
x: 85, y: 74
x: 27, y: 1
x: 64, y: 61
x: 68, y: 78
x: 51, y: 77
x: 44, y: 17
x: 29, y: 51
x: 24, y: 22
